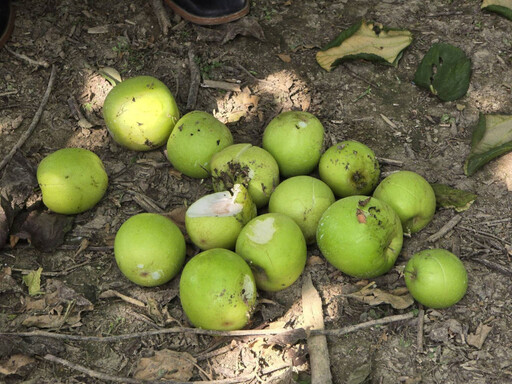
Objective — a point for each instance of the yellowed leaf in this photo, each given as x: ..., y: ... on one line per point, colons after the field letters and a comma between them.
x: 284, y: 57
x: 33, y: 282
x: 14, y: 363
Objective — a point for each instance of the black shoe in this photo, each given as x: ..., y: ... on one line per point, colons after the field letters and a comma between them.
x: 6, y: 21
x: 210, y: 12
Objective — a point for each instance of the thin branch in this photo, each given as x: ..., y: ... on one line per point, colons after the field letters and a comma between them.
x: 485, y: 234
x: 34, y: 123
x: 161, y: 15
x: 353, y: 74
x: 421, y: 324
x: 494, y: 266
x: 37, y: 63
x: 298, y: 332
x: 396, y: 163
x: 452, y: 223
x: 195, y: 80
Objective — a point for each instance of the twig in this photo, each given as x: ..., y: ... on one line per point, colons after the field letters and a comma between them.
x: 445, y: 228
x: 351, y: 72
x: 107, y: 377
x: 37, y: 63
x: 34, y: 123
x: 388, y: 122
x: 445, y: 14
x: 486, y: 234
x: 220, y: 85
x: 494, y: 266
x: 299, y: 332
x: 396, y: 163
x: 421, y: 323
x: 161, y: 15
x: 195, y: 80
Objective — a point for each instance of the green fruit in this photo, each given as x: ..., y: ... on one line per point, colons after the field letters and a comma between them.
x: 304, y: 199
x: 295, y: 139
x: 72, y: 180
x: 436, y: 278
x: 217, y: 290
x: 412, y: 198
x: 349, y: 168
x: 275, y: 248
x: 248, y: 165
x: 140, y: 113
x: 149, y: 249
x: 198, y: 135
x: 215, y: 220
x: 361, y: 236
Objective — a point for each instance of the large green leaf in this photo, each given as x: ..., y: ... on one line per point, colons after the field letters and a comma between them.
x: 502, y: 7
x: 448, y: 197
x: 492, y: 137
x: 368, y: 41
x: 445, y: 71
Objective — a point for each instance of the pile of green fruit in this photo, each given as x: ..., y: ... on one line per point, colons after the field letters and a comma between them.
x: 361, y: 233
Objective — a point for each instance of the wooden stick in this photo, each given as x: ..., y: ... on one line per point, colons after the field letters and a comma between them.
x: 452, y: 223
x: 421, y: 324
x: 195, y: 80
x: 27, y: 59
x: 34, y: 123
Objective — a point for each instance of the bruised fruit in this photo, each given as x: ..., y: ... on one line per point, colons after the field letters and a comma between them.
x: 349, y: 168
x: 248, y: 165
x: 197, y: 136
x: 295, y: 139
x: 304, y: 199
x: 361, y: 236
x: 411, y: 196
x: 217, y: 290
x: 149, y: 249
x: 72, y: 180
x: 436, y: 278
x: 215, y: 220
x: 275, y: 248
x: 140, y: 113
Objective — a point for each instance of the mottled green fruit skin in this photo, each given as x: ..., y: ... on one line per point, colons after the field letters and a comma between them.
x: 248, y: 165
x: 149, y: 249
x: 274, y: 247
x: 412, y: 198
x: 349, y: 168
x: 72, y: 180
x: 304, y: 199
x: 140, y: 113
x: 196, y: 138
x: 361, y: 236
x: 295, y: 139
x: 217, y: 290
x: 436, y: 278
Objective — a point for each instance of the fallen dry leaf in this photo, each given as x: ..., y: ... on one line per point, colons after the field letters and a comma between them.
x: 247, y: 26
x: 7, y: 283
x: 477, y: 339
x: 399, y: 298
x: 14, y: 364
x: 284, y: 57
x: 165, y: 364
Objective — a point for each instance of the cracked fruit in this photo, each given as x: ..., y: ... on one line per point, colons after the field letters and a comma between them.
x: 149, y: 249
x: 217, y: 290
x: 215, y: 220
x: 140, y: 113
x: 72, y: 180
x: 349, y: 168
x: 295, y: 139
x: 304, y: 199
x: 361, y: 236
x: 436, y: 278
x: 197, y: 137
x: 411, y: 196
x: 275, y: 248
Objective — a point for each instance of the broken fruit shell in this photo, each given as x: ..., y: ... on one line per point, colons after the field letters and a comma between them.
x: 149, y: 249
x: 349, y: 168
x: 295, y: 139
x: 304, y: 199
x: 140, y: 113
x: 217, y: 290
x: 215, y: 220
x: 248, y: 165
x: 72, y: 180
x: 197, y: 136
x: 274, y: 247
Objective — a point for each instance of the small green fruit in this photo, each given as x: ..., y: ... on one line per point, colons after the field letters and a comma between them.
x: 349, y: 168
x: 217, y: 290
x: 304, y: 199
x: 149, y: 249
x: 198, y: 135
x: 72, y: 180
x: 275, y: 248
x: 436, y: 278
x: 140, y: 113
x: 248, y: 165
x: 295, y: 139
x: 361, y: 236
x: 215, y: 220
x: 412, y: 198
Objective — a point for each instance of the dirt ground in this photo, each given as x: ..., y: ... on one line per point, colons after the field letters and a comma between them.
x: 275, y: 70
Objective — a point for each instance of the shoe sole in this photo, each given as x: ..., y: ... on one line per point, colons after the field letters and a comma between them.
x: 8, y: 31
x: 208, y: 20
